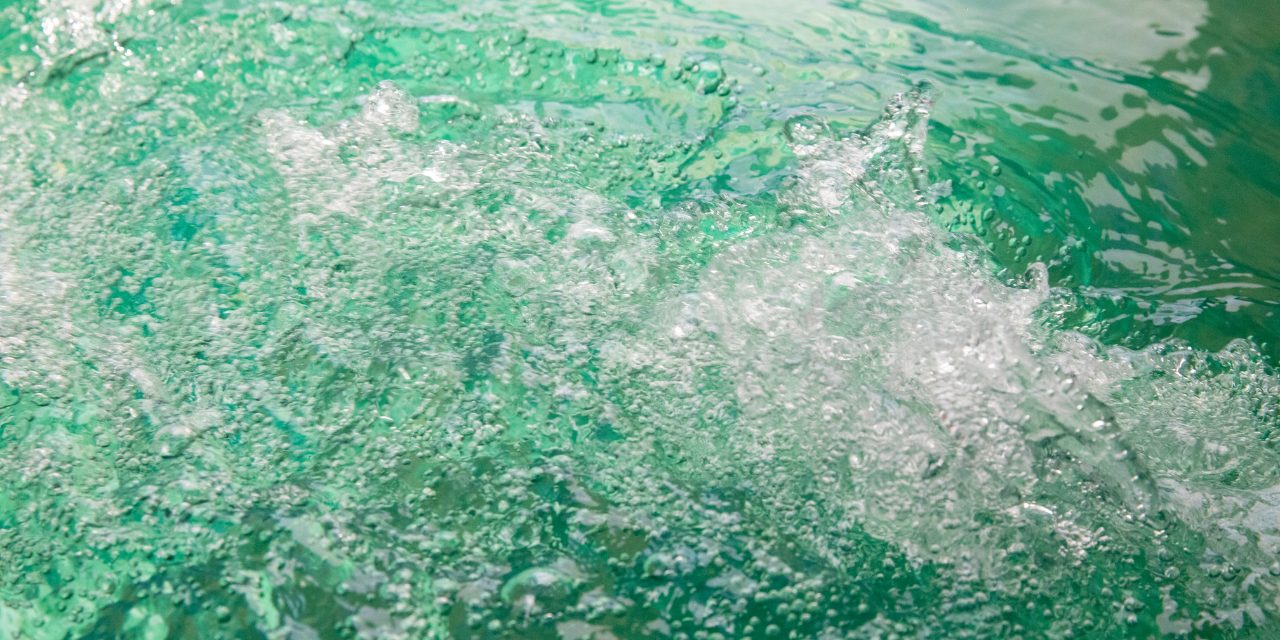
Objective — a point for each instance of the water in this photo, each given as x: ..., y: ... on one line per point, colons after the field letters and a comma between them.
x: 577, y: 320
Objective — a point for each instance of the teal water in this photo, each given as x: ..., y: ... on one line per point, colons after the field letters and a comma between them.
x: 703, y: 319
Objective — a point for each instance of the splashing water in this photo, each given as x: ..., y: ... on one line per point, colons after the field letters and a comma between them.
x: 401, y: 321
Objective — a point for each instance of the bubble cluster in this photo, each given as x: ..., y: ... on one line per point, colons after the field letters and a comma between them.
x: 372, y: 326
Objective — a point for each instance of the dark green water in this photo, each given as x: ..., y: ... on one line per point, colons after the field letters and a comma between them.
x: 706, y: 319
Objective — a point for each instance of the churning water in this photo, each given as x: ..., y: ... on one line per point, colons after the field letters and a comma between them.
x: 622, y: 319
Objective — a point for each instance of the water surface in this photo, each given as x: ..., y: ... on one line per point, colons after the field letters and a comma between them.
x: 705, y: 319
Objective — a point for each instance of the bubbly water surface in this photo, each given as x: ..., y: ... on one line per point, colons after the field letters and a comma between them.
x: 699, y: 319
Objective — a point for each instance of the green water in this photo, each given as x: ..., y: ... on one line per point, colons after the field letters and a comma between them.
x: 695, y: 319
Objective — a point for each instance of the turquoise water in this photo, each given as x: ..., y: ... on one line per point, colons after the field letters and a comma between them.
x: 700, y: 319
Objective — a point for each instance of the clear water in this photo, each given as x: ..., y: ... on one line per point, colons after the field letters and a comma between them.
x: 699, y: 319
